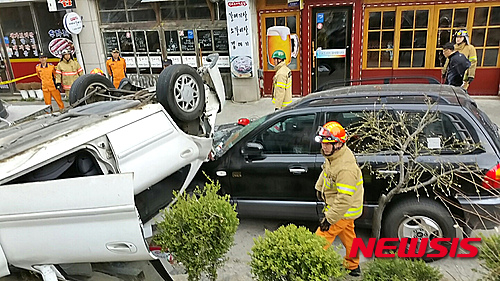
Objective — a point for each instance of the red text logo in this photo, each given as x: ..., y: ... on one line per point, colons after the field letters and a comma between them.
x: 236, y: 3
x: 66, y: 3
x: 407, y: 247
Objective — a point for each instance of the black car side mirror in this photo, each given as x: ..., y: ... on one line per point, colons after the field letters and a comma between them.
x: 253, y: 151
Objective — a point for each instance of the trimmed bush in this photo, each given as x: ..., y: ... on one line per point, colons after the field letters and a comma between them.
x: 489, y: 255
x: 398, y: 269
x: 199, y: 230
x: 294, y: 253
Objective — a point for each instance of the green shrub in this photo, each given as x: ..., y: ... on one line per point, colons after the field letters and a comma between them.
x: 489, y: 255
x: 292, y: 253
x: 199, y: 230
x: 398, y: 269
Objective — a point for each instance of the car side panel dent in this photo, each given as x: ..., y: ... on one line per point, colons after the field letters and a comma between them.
x: 4, y: 267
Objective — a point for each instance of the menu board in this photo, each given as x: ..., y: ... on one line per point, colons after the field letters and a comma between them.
x: 22, y: 45
x: 110, y: 40
x: 140, y: 41
x: 220, y: 40
x: 189, y: 60
x: 172, y: 41
x: 126, y: 41
x: 187, y: 44
x: 142, y: 61
x: 205, y: 40
x: 130, y: 61
x: 155, y: 62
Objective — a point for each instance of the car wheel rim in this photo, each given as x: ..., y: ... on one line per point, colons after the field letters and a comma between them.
x: 187, y: 93
x: 96, y: 90
x: 419, y: 227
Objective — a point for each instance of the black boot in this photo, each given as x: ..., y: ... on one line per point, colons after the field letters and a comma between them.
x: 355, y: 272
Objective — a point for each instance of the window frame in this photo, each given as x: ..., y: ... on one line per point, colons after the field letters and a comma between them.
x: 257, y: 137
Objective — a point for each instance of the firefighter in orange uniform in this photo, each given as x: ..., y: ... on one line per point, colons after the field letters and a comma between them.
x: 116, y: 67
x: 46, y: 72
x: 340, y: 186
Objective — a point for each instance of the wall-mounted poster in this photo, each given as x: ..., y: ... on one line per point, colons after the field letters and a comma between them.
x: 23, y: 45
x: 240, y: 38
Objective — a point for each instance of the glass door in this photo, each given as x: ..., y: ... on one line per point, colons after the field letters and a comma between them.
x: 331, y: 45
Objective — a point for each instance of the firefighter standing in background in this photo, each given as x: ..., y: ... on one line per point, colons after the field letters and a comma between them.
x: 46, y: 72
x: 340, y: 186
x: 116, y: 67
x: 67, y: 71
x: 462, y: 45
x: 282, y: 81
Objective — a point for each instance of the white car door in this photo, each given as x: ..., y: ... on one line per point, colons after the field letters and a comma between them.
x: 88, y: 219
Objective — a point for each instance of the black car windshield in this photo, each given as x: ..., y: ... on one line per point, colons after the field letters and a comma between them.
x: 238, y: 135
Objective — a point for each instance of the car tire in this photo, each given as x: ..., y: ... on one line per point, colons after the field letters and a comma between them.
x: 181, y: 92
x: 406, y: 218
x: 86, y: 84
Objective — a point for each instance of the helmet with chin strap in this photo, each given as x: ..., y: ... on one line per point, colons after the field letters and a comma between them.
x: 331, y: 132
x: 463, y: 33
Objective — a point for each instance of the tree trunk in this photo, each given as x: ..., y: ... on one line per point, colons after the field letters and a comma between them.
x: 379, y: 211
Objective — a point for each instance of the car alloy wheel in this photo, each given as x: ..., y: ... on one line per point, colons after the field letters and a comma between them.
x: 187, y: 93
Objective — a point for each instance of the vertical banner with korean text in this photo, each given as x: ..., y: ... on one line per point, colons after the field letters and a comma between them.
x: 240, y: 38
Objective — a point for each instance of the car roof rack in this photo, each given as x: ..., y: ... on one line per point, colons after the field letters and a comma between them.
x: 385, y: 80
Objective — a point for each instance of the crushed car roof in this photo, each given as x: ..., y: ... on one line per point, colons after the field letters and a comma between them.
x: 23, y: 136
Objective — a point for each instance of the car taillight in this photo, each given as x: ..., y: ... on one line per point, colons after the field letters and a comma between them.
x: 492, y: 178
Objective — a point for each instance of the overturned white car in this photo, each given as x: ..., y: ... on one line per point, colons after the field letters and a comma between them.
x: 77, y: 187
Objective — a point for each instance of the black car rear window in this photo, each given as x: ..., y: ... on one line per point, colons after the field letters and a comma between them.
x: 491, y: 128
x: 447, y: 133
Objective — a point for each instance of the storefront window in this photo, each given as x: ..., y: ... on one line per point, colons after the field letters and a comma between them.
x: 18, y: 27
x: 486, y: 37
x: 423, y: 30
x: 54, y: 38
x: 380, y: 39
x: 118, y: 11
x: 191, y: 9
x: 450, y: 21
x: 413, y: 38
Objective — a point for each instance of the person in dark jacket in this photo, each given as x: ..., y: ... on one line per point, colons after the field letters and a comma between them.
x: 457, y: 65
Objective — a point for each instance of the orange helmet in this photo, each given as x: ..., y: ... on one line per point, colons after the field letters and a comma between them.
x: 97, y: 71
x: 331, y: 132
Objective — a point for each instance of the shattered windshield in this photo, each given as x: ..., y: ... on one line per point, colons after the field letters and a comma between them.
x: 236, y: 136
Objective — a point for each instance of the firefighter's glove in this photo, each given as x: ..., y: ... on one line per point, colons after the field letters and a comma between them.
x: 58, y: 86
x: 324, y: 225
x: 469, y: 79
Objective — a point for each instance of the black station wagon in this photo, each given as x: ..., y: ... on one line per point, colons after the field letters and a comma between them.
x: 270, y: 166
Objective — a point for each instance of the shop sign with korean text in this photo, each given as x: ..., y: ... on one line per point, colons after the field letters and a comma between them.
x: 73, y: 23
x: 60, y: 5
x: 240, y: 38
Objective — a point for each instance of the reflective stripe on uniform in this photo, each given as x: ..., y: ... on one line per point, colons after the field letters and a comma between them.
x: 69, y: 73
x: 346, y: 189
x: 283, y: 85
x: 360, y: 182
x: 326, y: 182
x: 285, y: 103
x: 353, y: 212
x: 474, y: 58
